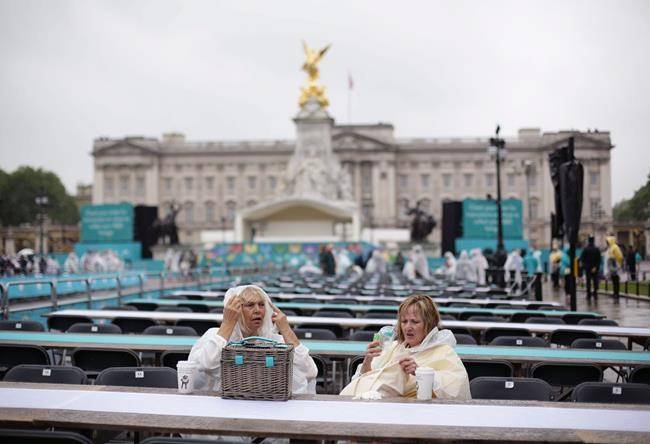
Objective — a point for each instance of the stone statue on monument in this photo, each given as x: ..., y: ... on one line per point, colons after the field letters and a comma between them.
x: 166, y: 231
x: 422, y: 223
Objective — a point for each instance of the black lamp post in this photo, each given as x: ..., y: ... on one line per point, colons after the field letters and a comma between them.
x: 41, y: 201
x: 497, y: 150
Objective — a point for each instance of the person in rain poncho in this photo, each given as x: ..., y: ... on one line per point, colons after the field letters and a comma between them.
x: 309, y: 268
x: 613, y: 263
x: 515, y: 265
x: 376, y: 263
x: 248, y: 311
x: 343, y: 261
x: 71, y: 264
x: 420, y: 262
x: 390, y: 372
x: 449, y: 266
x: 481, y: 264
x: 465, y: 269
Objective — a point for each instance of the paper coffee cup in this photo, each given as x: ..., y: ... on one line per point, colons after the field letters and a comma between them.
x: 186, y: 372
x: 424, y: 381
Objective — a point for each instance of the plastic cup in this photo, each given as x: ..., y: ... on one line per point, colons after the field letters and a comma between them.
x: 424, y: 380
x: 186, y: 371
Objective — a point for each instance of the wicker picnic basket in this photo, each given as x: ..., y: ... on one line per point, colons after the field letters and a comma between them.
x: 257, y: 368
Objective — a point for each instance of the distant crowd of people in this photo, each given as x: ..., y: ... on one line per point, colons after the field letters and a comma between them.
x: 28, y: 263
x: 180, y: 261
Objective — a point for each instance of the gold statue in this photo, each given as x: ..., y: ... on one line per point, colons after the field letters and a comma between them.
x: 311, y: 68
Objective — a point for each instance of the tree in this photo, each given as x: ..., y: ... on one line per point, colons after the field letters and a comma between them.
x: 18, y: 192
x: 635, y: 209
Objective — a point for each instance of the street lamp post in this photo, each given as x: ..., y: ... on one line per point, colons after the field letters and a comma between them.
x: 41, y: 201
x: 498, y: 151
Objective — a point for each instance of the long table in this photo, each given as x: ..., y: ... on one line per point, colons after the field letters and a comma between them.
x: 318, y: 416
x: 326, y: 348
x: 364, y: 308
x: 365, y: 299
x: 352, y: 323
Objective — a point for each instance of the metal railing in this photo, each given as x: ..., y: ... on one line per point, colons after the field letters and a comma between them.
x: 197, y: 277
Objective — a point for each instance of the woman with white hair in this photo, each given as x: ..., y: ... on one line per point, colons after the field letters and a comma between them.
x: 248, y: 311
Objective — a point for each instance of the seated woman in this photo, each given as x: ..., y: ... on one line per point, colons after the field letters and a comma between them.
x: 419, y: 343
x: 248, y: 311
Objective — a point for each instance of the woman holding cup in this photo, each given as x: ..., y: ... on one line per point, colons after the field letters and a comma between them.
x: 248, y: 311
x: 421, y: 356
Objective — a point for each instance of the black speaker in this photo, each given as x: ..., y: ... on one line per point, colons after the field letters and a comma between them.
x: 143, y: 228
x: 452, y: 225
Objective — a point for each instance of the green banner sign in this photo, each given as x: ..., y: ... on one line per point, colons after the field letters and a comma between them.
x: 107, y: 223
x: 480, y: 219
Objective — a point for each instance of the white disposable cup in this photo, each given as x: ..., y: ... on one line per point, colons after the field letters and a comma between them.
x: 424, y: 380
x: 186, y: 371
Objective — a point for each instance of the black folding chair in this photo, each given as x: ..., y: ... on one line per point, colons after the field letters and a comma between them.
x: 598, y: 344
x: 54, y: 374
x: 483, y: 318
x: 174, y: 309
x: 173, y: 330
x: 170, y: 358
x: 566, y: 337
x: 94, y: 360
x: 22, y: 436
x: 612, y: 393
x: 522, y: 316
x: 64, y: 322
x: 83, y: 327
x: 490, y: 333
x: 13, y: 355
x: 361, y: 335
x: 523, y: 389
x: 162, y: 377
x: 566, y: 376
x: 144, y: 306
x: 196, y: 308
x: 199, y: 325
x: 315, y: 333
x: 640, y: 375
x: 595, y: 321
x: 133, y: 325
x: 119, y: 308
x: 476, y: 368
x: 519, y: 341
x: 21, y: 325
x: 464, y: 339
x: 544, y: 320
x: 352, y: 366
x: 575, y: 318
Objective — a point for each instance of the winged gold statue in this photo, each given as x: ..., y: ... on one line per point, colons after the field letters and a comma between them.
x: 310, y: 66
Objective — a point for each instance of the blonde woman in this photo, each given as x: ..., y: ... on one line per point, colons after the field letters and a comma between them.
x: 419, y: 343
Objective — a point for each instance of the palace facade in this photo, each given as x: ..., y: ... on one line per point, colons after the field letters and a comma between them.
x: 213, y: 180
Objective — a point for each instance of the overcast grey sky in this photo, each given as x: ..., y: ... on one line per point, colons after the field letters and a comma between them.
x: 75, y: 70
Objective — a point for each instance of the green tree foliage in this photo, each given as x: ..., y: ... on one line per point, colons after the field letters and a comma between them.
x: 637, y: 208
x: 18, y: 191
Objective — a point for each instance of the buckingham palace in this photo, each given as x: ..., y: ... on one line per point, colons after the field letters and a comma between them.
x: 213, y: 180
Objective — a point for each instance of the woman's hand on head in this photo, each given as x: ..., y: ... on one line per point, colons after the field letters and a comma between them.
x: 280, y: 319
x: 408, y: 365
x: 232, y: 311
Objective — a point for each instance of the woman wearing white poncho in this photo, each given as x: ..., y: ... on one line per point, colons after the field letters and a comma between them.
x: 390, y: 372
x: 248, y: 311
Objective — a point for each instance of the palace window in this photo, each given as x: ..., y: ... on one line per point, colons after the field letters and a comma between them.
x: 108, y: 186
x: 446, y: 181
x: 189, y: 184
x: 167, y: 183
x: 424, y: 181
x: 489, y: 180
x: 403, y: 181
x: 230, y: 210
x: 209, y: 211
x: 230, y: 184
x: 594, y: 178
x: 511, y: 180
x: 140, y: 186
x: 252, y: 182
x: 209, y: 183
x: 189, y: 213
x: 468, y: 179
x: 124, y: 184
x: 273, y: 183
